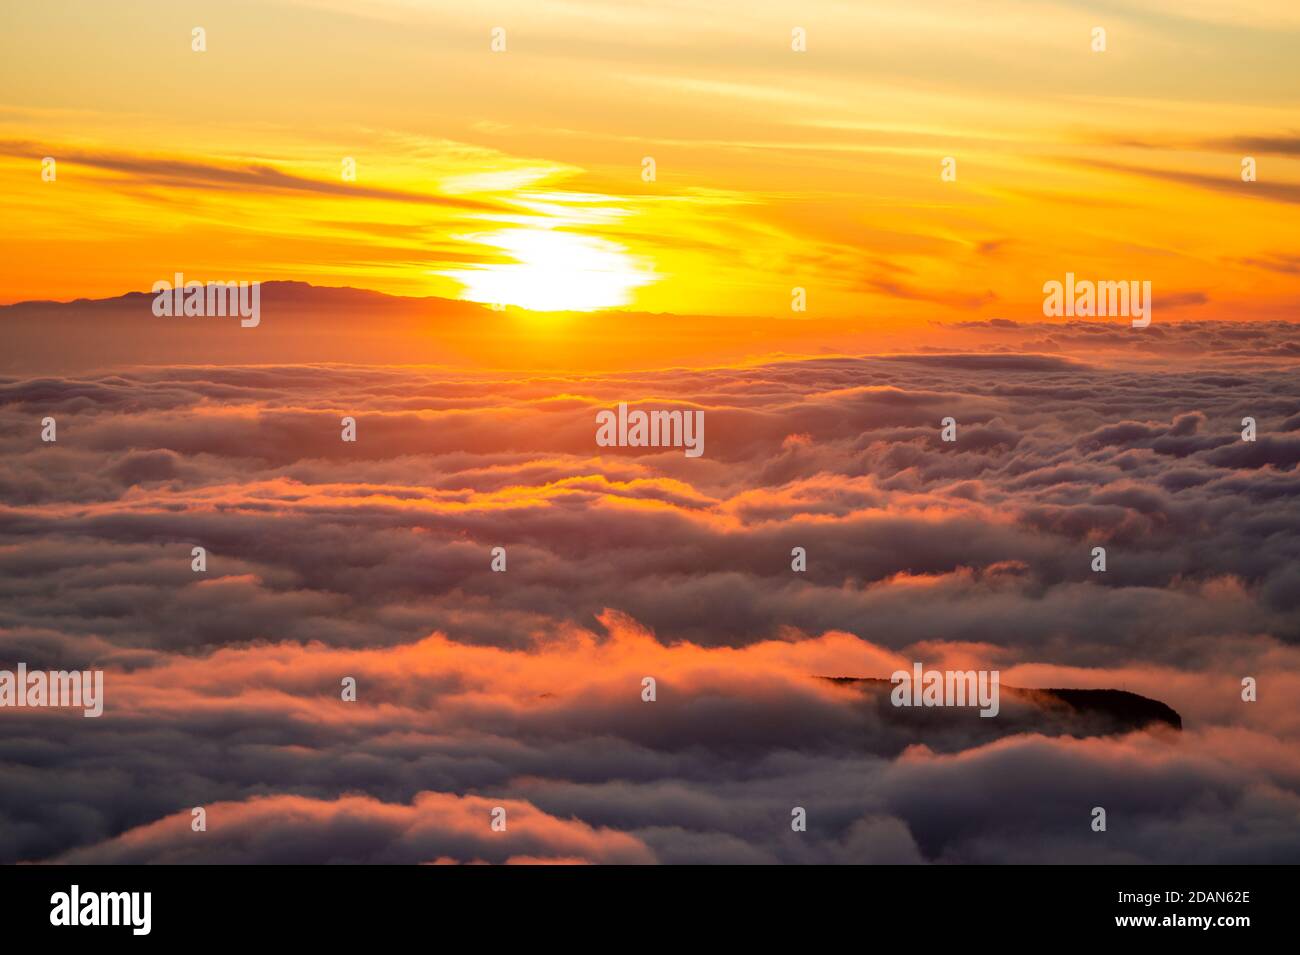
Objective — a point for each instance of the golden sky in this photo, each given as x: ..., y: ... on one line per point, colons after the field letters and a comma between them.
x: 517, y: 176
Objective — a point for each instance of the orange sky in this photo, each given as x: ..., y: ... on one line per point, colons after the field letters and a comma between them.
x: 516, y: 176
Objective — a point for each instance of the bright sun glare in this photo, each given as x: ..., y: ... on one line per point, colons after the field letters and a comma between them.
x: 553, y: 271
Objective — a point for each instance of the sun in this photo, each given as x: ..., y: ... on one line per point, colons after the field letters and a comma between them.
x: 554, y: 270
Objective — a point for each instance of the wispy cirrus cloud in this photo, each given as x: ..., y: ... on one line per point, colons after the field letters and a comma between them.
x: 182, y: 173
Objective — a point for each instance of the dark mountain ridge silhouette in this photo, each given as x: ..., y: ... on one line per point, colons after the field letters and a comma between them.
x: 1050, y: 712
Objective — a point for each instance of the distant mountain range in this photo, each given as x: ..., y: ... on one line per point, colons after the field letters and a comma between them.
x: 302, y: 323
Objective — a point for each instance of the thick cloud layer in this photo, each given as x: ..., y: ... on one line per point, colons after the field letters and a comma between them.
x: 523, y: 689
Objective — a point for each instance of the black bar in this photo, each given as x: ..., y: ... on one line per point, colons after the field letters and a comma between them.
x: 211, y: 904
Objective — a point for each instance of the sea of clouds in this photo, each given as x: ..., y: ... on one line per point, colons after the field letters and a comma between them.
x: 522, y: 689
